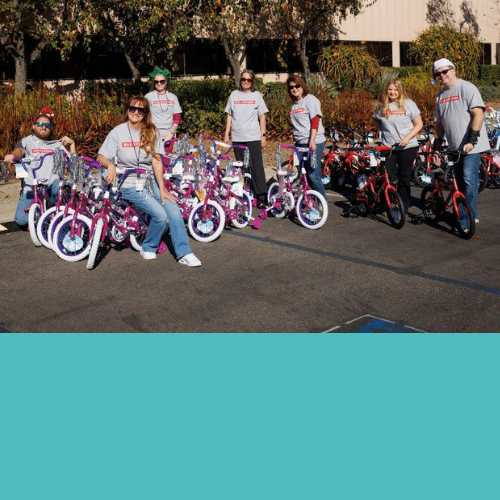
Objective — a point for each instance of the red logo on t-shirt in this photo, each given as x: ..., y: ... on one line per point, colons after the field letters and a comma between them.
x: 132, y: 144
x: 163, y: 101
x: 398, y: 112
x: 298, y: 110
x: 41, y: 151
x: 449, y: 99
x: 248, y: 101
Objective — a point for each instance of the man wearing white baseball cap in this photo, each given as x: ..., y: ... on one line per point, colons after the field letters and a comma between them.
x: 459, y: 114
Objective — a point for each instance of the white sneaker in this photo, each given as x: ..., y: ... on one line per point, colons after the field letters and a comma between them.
x: 190, y: 260
x: 148, y: 255
x: 476, y: 221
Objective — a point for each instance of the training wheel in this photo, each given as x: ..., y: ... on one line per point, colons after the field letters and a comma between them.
x: 256, y: 223
x: 263, y: 214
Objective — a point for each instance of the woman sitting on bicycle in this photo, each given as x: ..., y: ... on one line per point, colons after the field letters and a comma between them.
x: 399, y: 120
x: 136, y: 143
x: 308, y: 130
x: 39, y: 143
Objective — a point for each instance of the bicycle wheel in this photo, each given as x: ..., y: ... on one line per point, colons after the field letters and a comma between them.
x: 464, y: 219
x: 432, y: 205
x: 495, y: 175
x: 312, y: 209
x: 137, y: 236
x: 280, y: 205
x: 42, y: 228
x: 206, y: 221
x: 95, y: 244
x: 33, y: 217
x: 242, y: 210
x: 76, y: 247
x: 483, y: 175
x: 395, y: 211
x: 56, y: 219
x: 419, y: 171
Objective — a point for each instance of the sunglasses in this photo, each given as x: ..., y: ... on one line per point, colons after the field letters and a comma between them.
x: 158, y: 82
x: 246, y: 80
x: 43, y: 124
x: 135, y: 109
x: 291, y: 87
x: 444, y: 72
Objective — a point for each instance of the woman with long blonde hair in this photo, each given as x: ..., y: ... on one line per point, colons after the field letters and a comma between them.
x: 399, y: 120
x: 136, y: 143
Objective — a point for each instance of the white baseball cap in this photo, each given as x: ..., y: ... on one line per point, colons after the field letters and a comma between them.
x: 440, y: 63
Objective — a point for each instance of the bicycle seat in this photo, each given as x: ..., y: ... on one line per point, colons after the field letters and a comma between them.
x: 283, y: 172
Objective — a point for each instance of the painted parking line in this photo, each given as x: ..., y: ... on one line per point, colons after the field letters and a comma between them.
x: 372, y: 324
x: 357, y: 260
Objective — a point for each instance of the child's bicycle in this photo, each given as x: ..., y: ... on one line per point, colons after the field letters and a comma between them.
x: 40, y: 201
x: 374, y: 188
x: 435, y: 206
x: 117, y: 220
x: 294, y: 194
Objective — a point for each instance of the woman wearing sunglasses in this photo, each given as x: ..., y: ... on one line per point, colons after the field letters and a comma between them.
x: 165, y: 108
x: 246, y: 122
x: 40, y: 142
x: 308, y: 130
x: 136, y: 143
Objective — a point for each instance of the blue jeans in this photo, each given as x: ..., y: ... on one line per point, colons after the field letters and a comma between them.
x: 314, y: 172
x: 467, y: 173
x: 21, y: 217
x: 162, y: 216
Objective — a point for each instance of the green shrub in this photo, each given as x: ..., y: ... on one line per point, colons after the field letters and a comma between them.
x: 462, y: 49
x: 489, y: 75
x: 348, y: 65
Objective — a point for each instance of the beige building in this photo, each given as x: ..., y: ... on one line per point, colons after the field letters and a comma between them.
x: 388, y: 26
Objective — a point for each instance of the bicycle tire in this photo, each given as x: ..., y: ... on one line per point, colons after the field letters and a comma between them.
x: 432, y: 206
x: 58, y: 217
x: 42, y: 228
x: 206, y: 221
x: 286, y: 203
x: 395, y: 211
x: 495, y: 175
x: 312, y: 210
x: 464, y: 220
x: 33, y: 217
x: 243, y: 209
x: 137, y: 237
x: 76, y: 248
x: 419, y: 170
x: 95, y: 244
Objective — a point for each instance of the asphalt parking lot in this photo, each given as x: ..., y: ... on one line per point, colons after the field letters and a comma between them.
x: 354, y: 274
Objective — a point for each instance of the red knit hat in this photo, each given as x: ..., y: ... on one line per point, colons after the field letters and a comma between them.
x: 46, y: 110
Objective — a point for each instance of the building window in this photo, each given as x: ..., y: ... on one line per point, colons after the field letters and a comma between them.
x: 486, y: 54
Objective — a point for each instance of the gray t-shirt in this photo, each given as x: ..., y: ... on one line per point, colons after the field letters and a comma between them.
x: 245, y: 109
x: 453, y: 107
x: 302, y: 113
x: 163, y: 107
x: 38, y: 147
x: 123, y: 145
x: 398, y: 124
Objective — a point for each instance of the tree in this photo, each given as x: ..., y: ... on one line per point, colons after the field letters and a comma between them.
x: 299, y: 21
x: 148, y: 31
x: 29, y: 23
x: 233, y: 23
x: 462, y: 49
